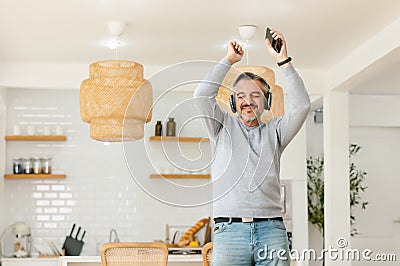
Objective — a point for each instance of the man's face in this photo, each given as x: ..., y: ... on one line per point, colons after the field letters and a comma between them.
x: 249, y: 100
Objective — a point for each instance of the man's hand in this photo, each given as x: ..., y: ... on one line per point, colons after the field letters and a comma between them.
x: 234, y: 52
x: 282, y: 55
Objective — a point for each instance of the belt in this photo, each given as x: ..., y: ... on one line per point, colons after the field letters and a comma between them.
x: 244, y: 219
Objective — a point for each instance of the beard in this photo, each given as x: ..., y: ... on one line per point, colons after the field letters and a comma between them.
x: 249, y: 118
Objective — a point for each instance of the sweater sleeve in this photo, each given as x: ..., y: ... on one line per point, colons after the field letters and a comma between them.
x: 204, y: 98
x: 290, y: 123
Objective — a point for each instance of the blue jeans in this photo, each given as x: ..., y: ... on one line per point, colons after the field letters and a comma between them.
x: 255, y: 243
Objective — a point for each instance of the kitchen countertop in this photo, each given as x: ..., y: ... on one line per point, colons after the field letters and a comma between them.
x: 73, y: 260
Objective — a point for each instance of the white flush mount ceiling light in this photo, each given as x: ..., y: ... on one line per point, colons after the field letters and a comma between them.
x: 247, y: 31
x: 115, y: 28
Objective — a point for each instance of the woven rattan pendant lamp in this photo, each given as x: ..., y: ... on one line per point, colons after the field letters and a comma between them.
x: 116, y: 100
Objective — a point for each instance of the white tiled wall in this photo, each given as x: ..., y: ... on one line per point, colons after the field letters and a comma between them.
x: 99, y: 192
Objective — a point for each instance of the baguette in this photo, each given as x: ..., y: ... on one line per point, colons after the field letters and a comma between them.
x: 189, y: 235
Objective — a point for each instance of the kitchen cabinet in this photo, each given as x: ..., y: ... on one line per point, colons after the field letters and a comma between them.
x: 35, y: 138
x: 179, y: 139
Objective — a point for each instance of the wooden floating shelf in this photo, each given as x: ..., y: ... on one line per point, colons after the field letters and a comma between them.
x: 180, y: 176
x: 183, y: 139
x: 35, y: 138
x: 29, y: 176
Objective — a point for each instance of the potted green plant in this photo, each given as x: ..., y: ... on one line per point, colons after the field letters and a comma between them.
x: 315, y: 171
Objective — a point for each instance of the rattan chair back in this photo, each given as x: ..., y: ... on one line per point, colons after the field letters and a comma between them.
x: 134, y: 254
x: 207, y: 254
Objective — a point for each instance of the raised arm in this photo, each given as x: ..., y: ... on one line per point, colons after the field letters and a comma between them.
x: 207, y: 90
x: 299, y: 102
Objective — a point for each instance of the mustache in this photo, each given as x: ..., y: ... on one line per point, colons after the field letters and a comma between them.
x: 249, y: 105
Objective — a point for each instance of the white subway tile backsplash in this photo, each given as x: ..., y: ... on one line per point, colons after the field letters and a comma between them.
x: 57, y: 203
x: 58, y: 188
x: 42, y: 218
x: 42, y: 188
x: 50, y: 195
x: 38, y: 225
x: 50, y: 225
x: 37, y: 195
x: 42, y: 203
x: 99, y: 192
x: 50, y: 210
x: 65, y: 210
x: 65, y: 195
x: 58, y: 218
x: 50, y: 182
x: 71, y: 203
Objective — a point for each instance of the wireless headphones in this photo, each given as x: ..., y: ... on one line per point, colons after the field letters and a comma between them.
x: 267, y: 91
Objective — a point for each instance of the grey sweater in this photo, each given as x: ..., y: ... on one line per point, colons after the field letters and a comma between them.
x: 246, y: 160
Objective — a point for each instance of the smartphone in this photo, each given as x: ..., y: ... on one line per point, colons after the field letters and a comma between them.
x: 276, y: 44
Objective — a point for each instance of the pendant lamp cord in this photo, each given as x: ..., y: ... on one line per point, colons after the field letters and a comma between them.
x: 247, y: 52
x: 116, y: 53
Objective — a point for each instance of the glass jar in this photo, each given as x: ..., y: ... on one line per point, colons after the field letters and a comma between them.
x: 46, y: 165
x: 158, y: 131
x: 17, y: 166
x: 27, y: 166
x: 171, y: 124
x: 37, y: 166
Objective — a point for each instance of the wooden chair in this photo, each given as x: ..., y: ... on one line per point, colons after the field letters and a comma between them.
x: 134, y: 253
x: 207, y: 254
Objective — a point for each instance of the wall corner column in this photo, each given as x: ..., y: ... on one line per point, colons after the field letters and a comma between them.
x: 336, y: 169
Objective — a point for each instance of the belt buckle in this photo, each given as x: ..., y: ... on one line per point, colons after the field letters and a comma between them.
x: 247, y: 219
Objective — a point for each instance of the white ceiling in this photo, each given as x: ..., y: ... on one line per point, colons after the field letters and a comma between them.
x: 160, y: 32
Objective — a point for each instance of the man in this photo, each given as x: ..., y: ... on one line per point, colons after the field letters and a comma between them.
x: 248, y: 225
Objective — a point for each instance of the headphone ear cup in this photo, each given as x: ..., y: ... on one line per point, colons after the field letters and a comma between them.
x: 268, y: 101
x: 232, y: 103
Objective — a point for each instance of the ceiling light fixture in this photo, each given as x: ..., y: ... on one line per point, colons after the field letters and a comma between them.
x: 247, y: 32
x: 116, y: 100
x: 116, y: 29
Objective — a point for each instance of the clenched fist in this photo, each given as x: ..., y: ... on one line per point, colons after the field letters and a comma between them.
x: 234, y: 52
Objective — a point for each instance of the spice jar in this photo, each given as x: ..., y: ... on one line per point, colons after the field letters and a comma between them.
x: 17, y: 166
x: 158, y: 129
x: 46, y: 165
x: 37, y: 166
x: 27, y: 166
x: 171, y: 127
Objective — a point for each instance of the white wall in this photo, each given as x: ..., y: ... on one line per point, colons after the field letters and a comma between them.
x: 3, y: 120
x: 375, y: 126
x: 314, y: 149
